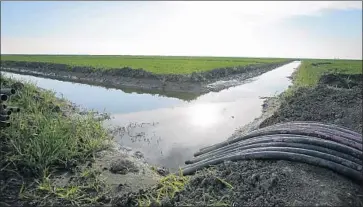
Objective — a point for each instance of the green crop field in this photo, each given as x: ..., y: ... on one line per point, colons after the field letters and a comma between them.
x: 310, y: 70
x: 155, y: 64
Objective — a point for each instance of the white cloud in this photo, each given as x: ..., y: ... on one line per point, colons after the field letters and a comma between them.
x: 217, y: 28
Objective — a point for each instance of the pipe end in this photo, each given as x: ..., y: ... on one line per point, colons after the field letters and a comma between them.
x: 12, y: 91
x: 3, y: 97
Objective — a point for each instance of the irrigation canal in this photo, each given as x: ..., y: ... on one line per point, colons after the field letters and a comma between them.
x: 169, y: 130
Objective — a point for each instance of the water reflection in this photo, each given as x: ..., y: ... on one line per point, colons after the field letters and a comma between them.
x: 209, y: 119
x: 203, y: 115
x: 100, y: 98
x: 187, y: 127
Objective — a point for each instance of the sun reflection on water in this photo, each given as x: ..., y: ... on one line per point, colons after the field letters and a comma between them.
x: 204, y: 115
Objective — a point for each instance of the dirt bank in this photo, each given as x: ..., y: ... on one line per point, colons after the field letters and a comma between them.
x: 195, y: 83
x: 337, y: 99
x: 87, y: 179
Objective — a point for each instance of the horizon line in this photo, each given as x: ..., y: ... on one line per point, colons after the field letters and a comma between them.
x: 181, y: 56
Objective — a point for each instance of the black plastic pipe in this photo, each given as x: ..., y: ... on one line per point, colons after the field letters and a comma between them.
x: 330, y: 126
x: 346, y: 133
x: 275, y: 144
x: 3, y: 97
x: 342, y: 131
x: 297, y: 150
x: 275, y: 155
x: 301, y: 131
x: 318, y: 131
x: 292, y: 138
x: 3, y: 106
x: 318, y: 134
x: 333, y: 135
x: 7, y: 91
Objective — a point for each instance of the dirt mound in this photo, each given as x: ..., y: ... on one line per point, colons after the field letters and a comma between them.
x: 341, y: 80
x: 269, y: 183
x: 334, y: 105
x: 262, y: 183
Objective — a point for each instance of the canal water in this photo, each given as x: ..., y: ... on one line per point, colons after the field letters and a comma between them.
x: 169, y: 130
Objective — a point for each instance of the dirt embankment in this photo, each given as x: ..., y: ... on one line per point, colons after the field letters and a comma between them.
x: 196, y: 82
x: 338, y: 100
x: 111, y: 170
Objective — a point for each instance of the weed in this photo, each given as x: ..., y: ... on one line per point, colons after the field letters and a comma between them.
x: 84, y: 188
x: 166, y: 188
x: 225, y: 182
x: 42, y: 140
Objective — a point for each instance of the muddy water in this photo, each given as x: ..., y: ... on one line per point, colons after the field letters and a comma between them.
x: 169, y: 130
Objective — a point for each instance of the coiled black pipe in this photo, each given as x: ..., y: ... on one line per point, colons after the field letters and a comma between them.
x: 251, y: 145
x: 310, y: 124
x: 299, y: 131
x: 298, y: 150
x: 276, y: 155
x: 292, y: 138
x: 7, y: 91
x: 3, y: 106
x: 328, y: 134
x: 3, y: 97
x: 329, y: 126
x: 330, y: 129
x: 318, y: 131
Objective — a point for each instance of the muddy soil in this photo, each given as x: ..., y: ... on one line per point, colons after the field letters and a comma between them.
x: 195, y: 83
x: 270, y: 183
x: 124, y: 170
x: 262, y: 183
x: 337, y: 99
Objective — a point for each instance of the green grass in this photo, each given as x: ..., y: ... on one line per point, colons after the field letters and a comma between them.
x: 308, y: 74
x: 42, y: 141
x: 310, y: 71
x: 40, y: 137
x: 170, y: 185
x: 155, y: 64
x: 167, y: 187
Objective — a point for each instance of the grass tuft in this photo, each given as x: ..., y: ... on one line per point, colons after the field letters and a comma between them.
x: 46, y: 137
x: 166, y: 188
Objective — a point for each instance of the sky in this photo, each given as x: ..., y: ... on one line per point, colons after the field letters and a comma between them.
x: 306, y: 29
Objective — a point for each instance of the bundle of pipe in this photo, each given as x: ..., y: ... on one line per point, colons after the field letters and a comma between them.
x: 6, y: 111
x: 325, y: 145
